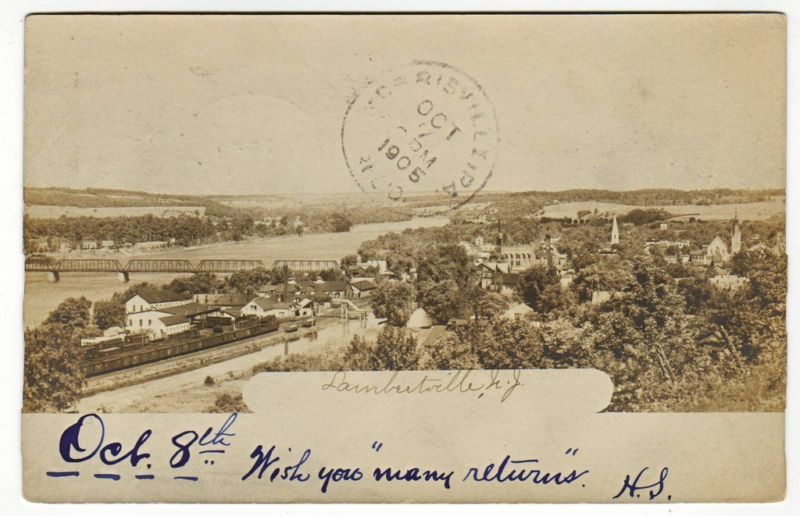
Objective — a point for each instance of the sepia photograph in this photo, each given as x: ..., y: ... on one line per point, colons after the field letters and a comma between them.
x: 207, y: 198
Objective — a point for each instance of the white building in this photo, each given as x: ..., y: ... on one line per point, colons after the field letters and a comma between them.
x: 160, y: 322
x: 517, y: 311
x: 264, y: 306
x: 717, y: 251
x: 519, y: 257
x: 381, y: 265
x: 362, y: 288
x: 154, y: 300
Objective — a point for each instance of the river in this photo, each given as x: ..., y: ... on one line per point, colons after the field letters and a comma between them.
x: 42, y: 296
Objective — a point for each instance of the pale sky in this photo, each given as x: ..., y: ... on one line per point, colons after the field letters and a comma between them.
x: 254, y: 104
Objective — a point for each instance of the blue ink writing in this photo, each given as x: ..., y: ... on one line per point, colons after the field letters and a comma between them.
x: 338, y: 475
x: 505, y: 472
x: 107, y: 476
x: 218, y: 437
x: 631, y: 487
x: 184, y: 441
x: 413, y: 475
x: 57, y: 474
x: 266, y: 460
x: 72, y: 450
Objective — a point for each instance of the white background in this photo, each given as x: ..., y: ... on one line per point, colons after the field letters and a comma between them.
x: 12, y: 284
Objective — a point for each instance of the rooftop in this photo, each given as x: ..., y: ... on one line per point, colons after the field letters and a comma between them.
x: 222, y: 299
x: 172, y: 320
x: 266, y: 303
x: 330, y: 286
x: 188, y: 309
x: 155, y: 295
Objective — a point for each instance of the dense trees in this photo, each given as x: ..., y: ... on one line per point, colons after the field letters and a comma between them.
x: 641, y: 337
x: 448, y: 284
x: 437, y: 300
x: 541, y: 288
x: 53, y: 378
x: 339, y: 223
x: 393, y: 301
x: 248, y: 282
x: 607, y: 274
x: 72, y: 313
x: 199, y: 283
x: 109, y: 313
x: 394, y: 349
x: 185, y: 229
x: 640, y: 216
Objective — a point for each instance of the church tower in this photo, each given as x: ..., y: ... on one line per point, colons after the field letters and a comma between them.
x: 614, y: 232
x: 736, y: 236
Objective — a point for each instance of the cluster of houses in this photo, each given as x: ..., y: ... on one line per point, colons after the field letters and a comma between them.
x: 501, y: 265
x: 716, y: 252
x: 93, y: 245
x: 160, y: 313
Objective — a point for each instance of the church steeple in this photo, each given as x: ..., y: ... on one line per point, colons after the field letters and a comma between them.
x: 614, y: 232
x: 736, y: 235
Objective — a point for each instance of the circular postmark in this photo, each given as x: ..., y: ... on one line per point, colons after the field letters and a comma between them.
x: 426, y: 127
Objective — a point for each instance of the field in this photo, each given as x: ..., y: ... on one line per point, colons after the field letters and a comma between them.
x: 746, y: 211
x: 53, y: 212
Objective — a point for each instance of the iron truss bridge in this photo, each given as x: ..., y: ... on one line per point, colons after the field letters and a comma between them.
x: 56, y: 267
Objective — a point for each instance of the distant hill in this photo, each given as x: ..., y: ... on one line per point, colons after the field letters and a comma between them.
x: 109, y: 198
x: 654, y: 196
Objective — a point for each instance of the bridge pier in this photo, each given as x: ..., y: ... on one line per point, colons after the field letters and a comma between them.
x: 124, y: 276
x: 53, y: 276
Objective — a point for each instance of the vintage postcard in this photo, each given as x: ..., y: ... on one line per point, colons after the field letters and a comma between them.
x: 405, y: 258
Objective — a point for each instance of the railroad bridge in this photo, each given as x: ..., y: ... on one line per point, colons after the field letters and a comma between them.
x: 55, y: 267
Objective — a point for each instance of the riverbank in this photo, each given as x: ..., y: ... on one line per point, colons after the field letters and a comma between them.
x: 134, y: 252
x: 42, y: 296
